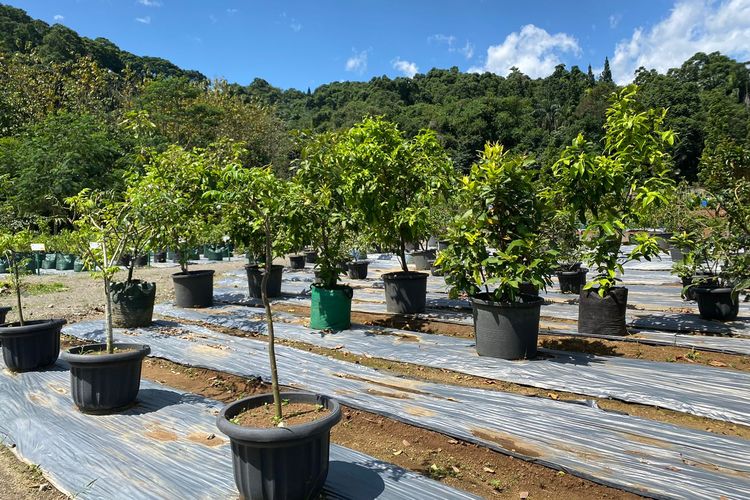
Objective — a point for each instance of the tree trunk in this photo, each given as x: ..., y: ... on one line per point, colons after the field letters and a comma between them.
x: 269, y: 324
x: 402, y: 254
x: 17, y: 286
x: 108, y: 316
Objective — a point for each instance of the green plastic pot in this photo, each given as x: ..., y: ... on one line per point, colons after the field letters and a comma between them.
x: 331, y: 308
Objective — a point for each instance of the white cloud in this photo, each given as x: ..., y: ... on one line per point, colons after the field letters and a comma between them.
x: 408, y: 68
x: 532, y: 50
x: 296, y: 27
x: 144, y: 20
x: 150, y: 3
x: 232, y: 11
x: 58, y: 17
x: 467, y: 50
x: 357, y: 63
x: 614, y: 20
x: 692, y: 26
x: 212, y: 18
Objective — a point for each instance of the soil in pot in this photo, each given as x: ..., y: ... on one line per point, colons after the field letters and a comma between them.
x: 297, y: 261
x: 194, y: 288
x: 32, y: 346
x: 132, y: 303
x: 572, y: 281
x: 506, y: 330
x: 331, y: 308
x: 405, y: 293
x: 421, y: 259
x: 717, y: 303
x: 102, y: 382
x: 272, y: 462
x: 603, y: 315
x: 358, y: 269
x: 255, y: 281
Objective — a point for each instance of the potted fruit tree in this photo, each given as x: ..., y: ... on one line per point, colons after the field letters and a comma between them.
x: 561, y: 235
x: 725, y: 174
x: 326, y: 217
x: 609, y: 191
x: 494, y: 248
x: 394, y: 181
x: 239, y: 219
x: 280, y: 441
x: 169, y: 197
x: 105, y: 376
x: 27, y: 344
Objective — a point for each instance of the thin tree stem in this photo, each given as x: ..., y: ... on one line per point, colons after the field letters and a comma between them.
x: 269, y: 325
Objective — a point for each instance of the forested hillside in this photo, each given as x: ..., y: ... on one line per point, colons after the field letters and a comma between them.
x: 76, y: 112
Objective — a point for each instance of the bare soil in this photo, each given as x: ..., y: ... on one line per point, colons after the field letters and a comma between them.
x: 21, y: 481
x: 263, y: 417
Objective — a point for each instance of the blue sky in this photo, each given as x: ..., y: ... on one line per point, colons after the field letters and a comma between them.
x: 308, y: 43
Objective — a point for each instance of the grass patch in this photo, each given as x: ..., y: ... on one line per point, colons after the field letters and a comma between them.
x: 36, y: 288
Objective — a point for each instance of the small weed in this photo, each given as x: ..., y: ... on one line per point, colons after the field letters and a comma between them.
x: 497, y: 485
x: 437, y: 472
x: 693, y: 355
x: 671, y: 359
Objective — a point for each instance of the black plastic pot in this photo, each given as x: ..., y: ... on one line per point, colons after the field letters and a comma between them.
x: 160, y: 257
x: 101, y: 383
x: 443, y: 244
x: 255, y: 280
x: 701, y: 280
x: 506, y: 330
x: 124, y: 260
x: 297, y: 261
x: 421, y: 259
x: 603, y: 315
x: 358, y: 269
x: 194, y: 288
x: 716, y: 303
x: 141, y: 261
x: 405, y: 293
x: 3, y: 313
x: 280, y: 463
x: 132, y: 303
x: 572, y: 281
x: 34, y: 345
x: 311, y: 257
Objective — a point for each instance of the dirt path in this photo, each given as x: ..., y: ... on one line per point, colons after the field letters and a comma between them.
x: 23, y: 482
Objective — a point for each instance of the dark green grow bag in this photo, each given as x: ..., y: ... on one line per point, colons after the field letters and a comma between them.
x: 132, y: 303
x: 331, y: 309
x: 64, y: 262
x: 217, y: 254
x: 50, y: 259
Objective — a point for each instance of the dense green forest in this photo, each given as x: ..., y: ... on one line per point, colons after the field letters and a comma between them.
x: 76, y: 112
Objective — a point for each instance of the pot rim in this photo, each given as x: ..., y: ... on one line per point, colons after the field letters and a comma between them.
x: 535, y: 301
x: 712, y: 290
x: 401, y: 275
x: 31, y: 326
x: 191, y: 274
x: 137, y: 351
x: 359, y: 262
x: 253, y: 267
x: 580, y: 270
x: 277, y: 435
